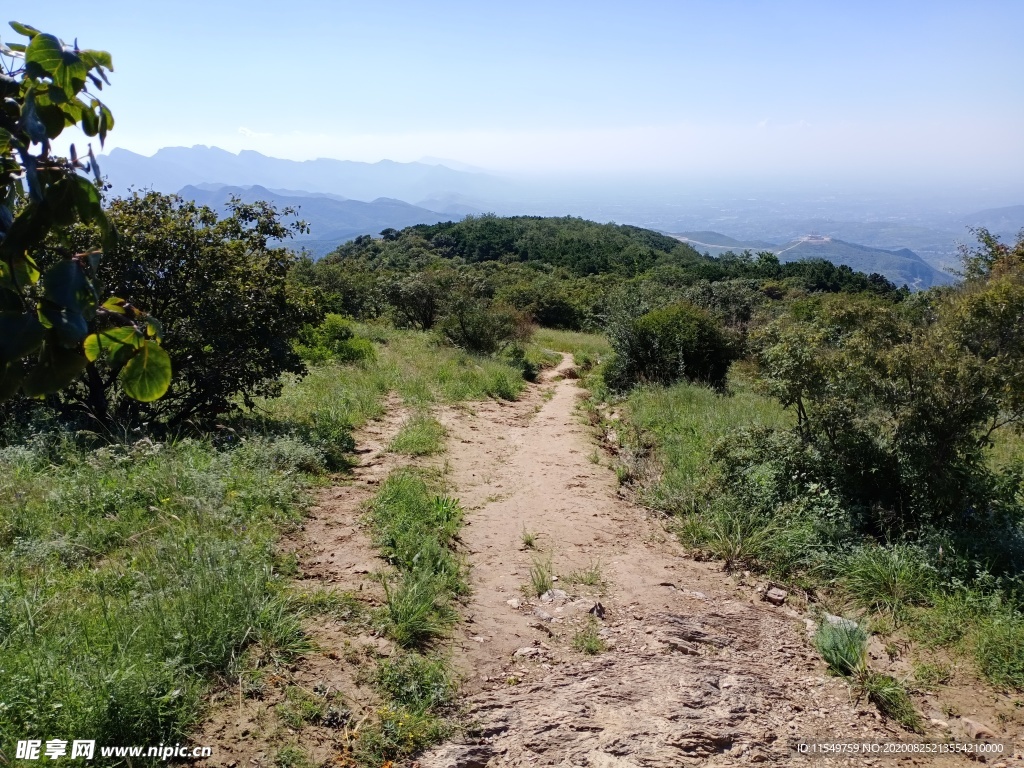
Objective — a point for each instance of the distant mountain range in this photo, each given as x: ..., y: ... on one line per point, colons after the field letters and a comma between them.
x: 901, y: 266
x: 172, y: 168
x: 332, y: 219
x: 892, y: 242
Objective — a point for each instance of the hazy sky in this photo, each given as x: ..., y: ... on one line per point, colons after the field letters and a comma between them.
x: 858, y: 90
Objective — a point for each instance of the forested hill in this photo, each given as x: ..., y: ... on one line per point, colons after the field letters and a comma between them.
x: 580, y: 246
x: 584, y: 248
x: 560, y: 272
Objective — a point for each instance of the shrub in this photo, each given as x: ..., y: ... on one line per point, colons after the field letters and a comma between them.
x: 677, y: 342
x: 221, y: 292
x: 333, y: 340
x: 484, y: 327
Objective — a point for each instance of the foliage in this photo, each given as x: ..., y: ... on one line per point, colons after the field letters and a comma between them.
x: 666, y: 345
x: 222, y: 292
x: 333, y: 340
x: 54, y: 310
x: 904, y: 402
x: 484, y: 327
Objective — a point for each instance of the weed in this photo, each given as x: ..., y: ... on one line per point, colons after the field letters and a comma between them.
x: 420, y: 435
x: 889, y: 695
x: 540, y: 576
x: 292, y: 756
x: 529, y: 539
x: 843, y: 645
x: 588, y: 639
x: 343, y: 606
x: 418, y: 683
x: 416, y: 613
x: 399, y: 733
x: 735, y: 537
x: 929, y: 676
x: 886, y: 578
x: 595, y: 457
x: 999, y: 650
x: 591, y: 576
x: 301, y: 707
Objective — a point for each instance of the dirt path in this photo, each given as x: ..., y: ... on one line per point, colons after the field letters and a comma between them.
x: 698, y: 668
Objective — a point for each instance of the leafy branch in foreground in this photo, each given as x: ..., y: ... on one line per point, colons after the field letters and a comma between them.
x: 57, y: 316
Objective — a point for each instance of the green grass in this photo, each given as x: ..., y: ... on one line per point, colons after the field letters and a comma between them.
x: 540, y: 576
x: 844, y: 647
x: 886, y: 578
x: 674, y: 429
x: 890, y: 696
x: 132, y: 575
x: 588, y: 639
x: 592, y: 345
x: 415, y: 528
x: 529, y: 539
x: 420, y: 435
x: 412, y: 364
x: 591, y: 576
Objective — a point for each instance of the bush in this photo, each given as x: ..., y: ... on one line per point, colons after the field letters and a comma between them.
x: 333, y: 340
x: 663, y: 346
x: 484, y: 327
x: 221, y: 291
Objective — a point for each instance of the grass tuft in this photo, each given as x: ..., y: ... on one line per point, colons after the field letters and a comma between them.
x: 420, y: 435
x: 844, y: 646
x: 588, y: 639
x: 887, y: 578
x: 541, y: 576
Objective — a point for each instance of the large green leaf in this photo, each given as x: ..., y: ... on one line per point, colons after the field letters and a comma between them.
x: 147, y: 375
x: 45, y: 56
x: 24, y: 29
x: 117, y: 344
x: 20, y: 335
x: 66, y: 285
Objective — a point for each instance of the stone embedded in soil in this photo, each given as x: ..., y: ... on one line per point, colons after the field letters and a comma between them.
x: 526, y: 653
x: 776, y: 596
x: 978, y: 730
x: 541, y: 614
x: 839, y: 621
x: 554, y: 596
x: 514, y: 602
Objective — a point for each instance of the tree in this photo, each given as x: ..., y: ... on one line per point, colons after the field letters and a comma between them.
x: 54, y: 322
x: 230, y: 314
x: 902, y: 399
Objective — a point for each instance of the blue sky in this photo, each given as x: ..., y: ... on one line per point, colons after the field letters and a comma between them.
x: 887, y: 90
